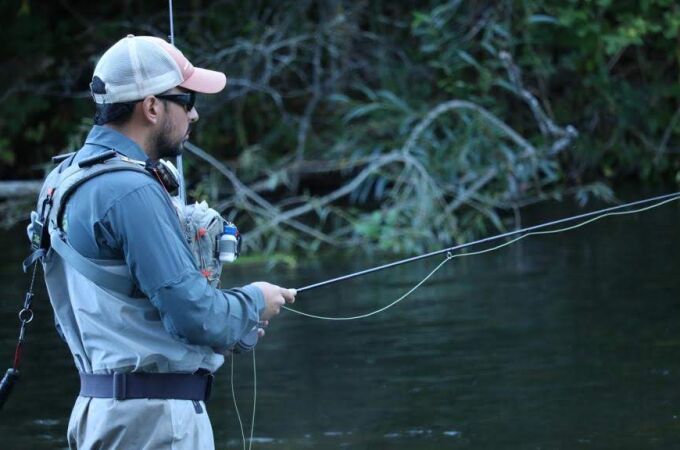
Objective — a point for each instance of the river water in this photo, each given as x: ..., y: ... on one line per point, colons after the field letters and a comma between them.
x: 556, y: 342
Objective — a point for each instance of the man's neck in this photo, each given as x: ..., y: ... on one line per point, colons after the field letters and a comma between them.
x: 138, y: 136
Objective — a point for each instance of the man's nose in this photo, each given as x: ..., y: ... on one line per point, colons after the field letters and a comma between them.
x: 193, y: 115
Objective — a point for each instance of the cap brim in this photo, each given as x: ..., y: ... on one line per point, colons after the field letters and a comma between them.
x: 205, y: 81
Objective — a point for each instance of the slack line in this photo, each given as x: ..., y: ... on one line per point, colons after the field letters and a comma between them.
x: 520, y: 233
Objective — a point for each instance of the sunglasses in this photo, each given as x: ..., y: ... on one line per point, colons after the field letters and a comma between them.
x: 188, y: 99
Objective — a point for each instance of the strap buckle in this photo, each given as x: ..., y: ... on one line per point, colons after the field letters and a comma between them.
x: 119, y: 385
x: 208, y: 387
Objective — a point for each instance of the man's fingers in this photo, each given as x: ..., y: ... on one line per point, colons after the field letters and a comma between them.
x: 275, y: 297
x: 289, y: 294
x: 260, y: 332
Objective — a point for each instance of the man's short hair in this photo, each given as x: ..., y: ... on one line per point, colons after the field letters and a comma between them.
x: 113, y: 113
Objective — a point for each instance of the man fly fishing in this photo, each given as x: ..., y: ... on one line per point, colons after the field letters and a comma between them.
x: 132, y: 285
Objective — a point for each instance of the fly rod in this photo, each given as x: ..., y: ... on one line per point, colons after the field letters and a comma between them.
x: 178, y: 160
x: 488, y: 239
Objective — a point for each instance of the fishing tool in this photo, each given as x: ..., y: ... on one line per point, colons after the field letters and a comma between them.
x: 38, y: 232
x: 11, y: 377
x: 520, y: 234
x: 228, y: 240
x: 449, y: 253
x: 179, y: 163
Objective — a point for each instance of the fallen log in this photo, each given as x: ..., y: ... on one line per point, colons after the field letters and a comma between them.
x: 19, y: 188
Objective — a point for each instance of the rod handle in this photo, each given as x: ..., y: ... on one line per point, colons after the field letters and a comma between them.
x: 7, y: 384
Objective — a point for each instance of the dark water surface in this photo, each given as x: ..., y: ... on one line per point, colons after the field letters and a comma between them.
x: 557, y: 342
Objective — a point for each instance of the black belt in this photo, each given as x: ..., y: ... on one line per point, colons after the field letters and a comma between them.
x: 121, y: 386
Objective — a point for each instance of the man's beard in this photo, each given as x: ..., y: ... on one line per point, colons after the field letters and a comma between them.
x: 164, y: 146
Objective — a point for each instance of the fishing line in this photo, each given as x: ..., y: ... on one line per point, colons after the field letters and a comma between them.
x: 613, y: 211
x: 238, y: 414
x: 450, y: 255
x: 487, y: 239
x: 233, y: 396
x: 252, y: 419
x: 377, y: 311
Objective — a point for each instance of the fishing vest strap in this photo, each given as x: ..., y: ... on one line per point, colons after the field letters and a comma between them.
x: 32, y: 258
x: 122, y: 386
x: 94, y: 272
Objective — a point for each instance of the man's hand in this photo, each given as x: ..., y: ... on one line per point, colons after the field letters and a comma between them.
x: 274, y: 298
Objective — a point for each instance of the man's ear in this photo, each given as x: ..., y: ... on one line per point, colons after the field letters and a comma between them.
x: 151, y: 109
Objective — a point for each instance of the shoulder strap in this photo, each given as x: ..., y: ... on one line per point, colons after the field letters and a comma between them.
x: 90, y: 270
x: 70, y: 179
x: 74, y: 177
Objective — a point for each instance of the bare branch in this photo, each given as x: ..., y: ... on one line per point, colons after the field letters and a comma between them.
x: 452, y: 105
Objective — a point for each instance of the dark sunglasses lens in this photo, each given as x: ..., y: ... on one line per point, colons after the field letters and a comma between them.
x: 187, y: 100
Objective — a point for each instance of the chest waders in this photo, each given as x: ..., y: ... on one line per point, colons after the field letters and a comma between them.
x: 100, y: 298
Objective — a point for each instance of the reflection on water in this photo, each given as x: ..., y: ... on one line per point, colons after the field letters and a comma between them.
x: 563, y: 341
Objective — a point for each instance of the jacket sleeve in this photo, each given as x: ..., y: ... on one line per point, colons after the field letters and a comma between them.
x: 145, y: 226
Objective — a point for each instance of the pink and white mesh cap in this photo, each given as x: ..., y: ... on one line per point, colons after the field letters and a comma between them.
x: 138, y: 66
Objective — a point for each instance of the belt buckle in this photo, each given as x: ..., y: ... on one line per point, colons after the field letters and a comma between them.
x: 119, y: 386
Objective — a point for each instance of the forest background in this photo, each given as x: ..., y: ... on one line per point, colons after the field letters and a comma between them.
x: 392, y: 125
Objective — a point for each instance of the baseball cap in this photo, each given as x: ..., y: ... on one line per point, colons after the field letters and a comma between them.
x: 138, y: 66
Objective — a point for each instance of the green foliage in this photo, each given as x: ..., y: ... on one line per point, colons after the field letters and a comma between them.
x: 615, y: 61
x: 339, y: 85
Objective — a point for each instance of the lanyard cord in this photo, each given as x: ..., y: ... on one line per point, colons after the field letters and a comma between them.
x: 11, y: 376
x: 25, y: 317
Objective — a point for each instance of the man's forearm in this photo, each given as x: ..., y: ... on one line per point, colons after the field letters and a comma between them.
x: 199, y: 314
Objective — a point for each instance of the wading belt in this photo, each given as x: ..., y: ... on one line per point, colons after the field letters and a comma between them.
x: 122, y: 386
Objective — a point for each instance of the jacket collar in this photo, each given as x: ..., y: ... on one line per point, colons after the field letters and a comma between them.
x: 111, y: 139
